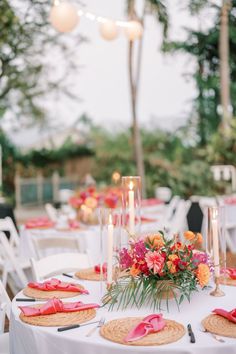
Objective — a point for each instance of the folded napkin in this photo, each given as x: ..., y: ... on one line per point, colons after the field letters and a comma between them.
x: 150, y: 324
x: 230, y: 315
x: 55, y: 305
x: 231, y: 272
x: 151, y: 202
x: 97, y: 268
x: 38, y: 223
x: 56, y: 284
x: 74, y: 224
x: 145, y: 219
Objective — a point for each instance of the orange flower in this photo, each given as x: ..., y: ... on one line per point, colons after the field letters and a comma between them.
x: 189, y: 235
x: 171, y: 267
x: 134, y: 271
x: 203, y: 274
x: 91, y: 202
x: 173, y: 257
x: 155, y: 241
x: 199, y: 238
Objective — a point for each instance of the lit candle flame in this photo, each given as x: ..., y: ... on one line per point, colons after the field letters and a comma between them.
x: 131, y: 185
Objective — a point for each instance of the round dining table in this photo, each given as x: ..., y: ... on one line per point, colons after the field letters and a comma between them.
x: 27, y: 339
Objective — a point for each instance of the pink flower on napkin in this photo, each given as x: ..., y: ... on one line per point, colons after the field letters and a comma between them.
x: 150, y: 324
x: 55, y: 305
x: 55, y: 284
x: 230, y: 315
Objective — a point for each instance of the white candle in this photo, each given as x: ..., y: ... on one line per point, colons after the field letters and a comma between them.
x: 131, y: 208
x: 110, y: 230
x: 215, y: 240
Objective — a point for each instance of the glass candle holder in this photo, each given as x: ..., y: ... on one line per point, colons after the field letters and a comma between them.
x: 131, y: 205
x: 216, y: 244
x: 110, y: 244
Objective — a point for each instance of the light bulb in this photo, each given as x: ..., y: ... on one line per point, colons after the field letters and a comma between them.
x: 134, y: 30
x: 64, y: 17
x: 109, y: 30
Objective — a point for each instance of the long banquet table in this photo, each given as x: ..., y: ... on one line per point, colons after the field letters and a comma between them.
x: 25, y: 339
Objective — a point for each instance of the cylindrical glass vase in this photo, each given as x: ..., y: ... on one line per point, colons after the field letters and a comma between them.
x: 110, y: 244
x: 215, y: 242
x: 131, y: 207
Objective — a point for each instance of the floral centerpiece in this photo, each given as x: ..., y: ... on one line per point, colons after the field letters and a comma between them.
x: 154, y: 268
x: 87, y: 201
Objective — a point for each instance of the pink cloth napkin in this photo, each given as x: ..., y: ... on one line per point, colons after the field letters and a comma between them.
x: 56, y: 284
x: 230, y: 315
x: 231, y: 272
x: 39, y: 222
x: 97, y: 268
x: 55, y: 305
x: 150, y: 324
x: 151, y: 202
x: 74, y: 224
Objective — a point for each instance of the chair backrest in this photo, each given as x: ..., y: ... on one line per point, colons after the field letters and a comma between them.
x: 64, y: 195
x: 7, y: 224
x: 51, y: 212
x: 179, y: 220
x: 11, y: 261
x: 171, y: 208
x: 58, y: 263
x: 57, y: 244
x: 163, y: 193
x: 5, y: 307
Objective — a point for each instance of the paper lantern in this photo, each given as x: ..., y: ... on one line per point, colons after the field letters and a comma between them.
x: 134, y: 30
x: 64, y: 17
x: 109, y: 30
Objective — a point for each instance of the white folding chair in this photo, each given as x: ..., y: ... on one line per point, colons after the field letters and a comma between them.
x: 51, y: 212
x: 64, y: 195
x: 7, y: 224
x: 178, y: 223
x: 163, y: 193
x: 59, y: 263
x: 56, y: 244
x: 9, y: 263
x: 5, y: 308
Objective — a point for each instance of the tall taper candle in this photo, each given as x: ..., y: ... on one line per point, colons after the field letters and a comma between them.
x: 215, y: 239
x: 110, y: 230
x: 131, y: 208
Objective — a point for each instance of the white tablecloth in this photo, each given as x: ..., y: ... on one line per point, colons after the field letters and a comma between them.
x: 89, y: 240
x: 26, y: 339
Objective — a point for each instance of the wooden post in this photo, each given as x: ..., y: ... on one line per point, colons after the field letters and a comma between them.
x: 55, y: 186
x: 18, y: 190
x: 39, y: 188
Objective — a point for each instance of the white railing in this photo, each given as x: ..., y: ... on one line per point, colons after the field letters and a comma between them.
x: 38, y: 190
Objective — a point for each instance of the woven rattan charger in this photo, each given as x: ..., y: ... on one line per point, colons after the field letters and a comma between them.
x: 45, y: 295
x: 59, y: 319
x: 227, y: 281
x: 89, y: 274
x: 219, y: 325
x: 117, y: 330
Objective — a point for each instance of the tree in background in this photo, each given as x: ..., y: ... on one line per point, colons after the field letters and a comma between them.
x: 28, y: 72
x: 156, y: 8
x: 216, y: 69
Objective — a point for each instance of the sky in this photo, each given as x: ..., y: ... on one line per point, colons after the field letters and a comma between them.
x: 165, y: 96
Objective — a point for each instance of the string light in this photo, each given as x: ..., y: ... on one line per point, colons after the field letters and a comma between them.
x: 64, y: 17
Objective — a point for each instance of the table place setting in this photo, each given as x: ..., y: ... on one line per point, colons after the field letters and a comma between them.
x: 57, y: 313
x: 53, y: 288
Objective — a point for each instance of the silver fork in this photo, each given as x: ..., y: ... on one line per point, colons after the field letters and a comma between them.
x: 100, y: 324
x: 215, y: 336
